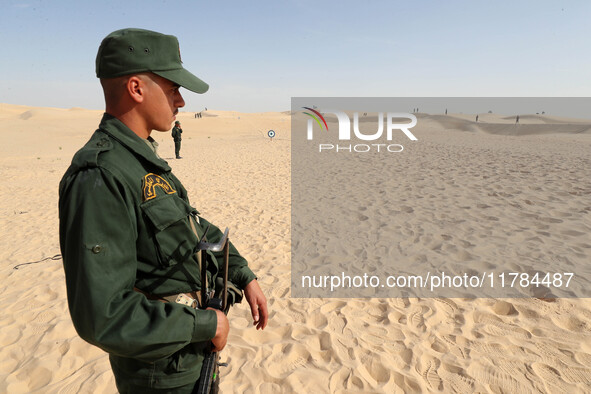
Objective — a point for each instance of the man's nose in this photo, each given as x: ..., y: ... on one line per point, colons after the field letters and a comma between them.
x: 179, y: 102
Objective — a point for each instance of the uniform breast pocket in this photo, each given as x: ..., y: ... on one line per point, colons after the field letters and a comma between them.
x: 173, y: 237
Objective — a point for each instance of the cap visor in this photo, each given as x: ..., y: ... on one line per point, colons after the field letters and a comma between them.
x: 185, y: 79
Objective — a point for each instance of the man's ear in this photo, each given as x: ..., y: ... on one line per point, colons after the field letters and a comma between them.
x: 136, y: 88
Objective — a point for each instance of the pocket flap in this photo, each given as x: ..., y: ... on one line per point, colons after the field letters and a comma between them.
x: 165, y: 210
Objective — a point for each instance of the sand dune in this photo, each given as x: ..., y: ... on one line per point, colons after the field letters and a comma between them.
x: 505, y: 125
x: 534, y: 189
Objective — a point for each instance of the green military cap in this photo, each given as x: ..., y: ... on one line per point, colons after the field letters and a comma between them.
x: 177, y: 122
x: 130, y: 51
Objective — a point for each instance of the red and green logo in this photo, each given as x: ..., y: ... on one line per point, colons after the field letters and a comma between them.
x: 318, y: 115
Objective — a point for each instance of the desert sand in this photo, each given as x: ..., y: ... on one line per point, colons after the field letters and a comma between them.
x: 332, y: 345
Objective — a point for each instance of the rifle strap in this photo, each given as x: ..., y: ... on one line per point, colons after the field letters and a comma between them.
x: 193, y: 299
x: 202, y: 266
x: 198, y: 254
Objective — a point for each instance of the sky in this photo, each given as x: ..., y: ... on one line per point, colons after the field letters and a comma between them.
x: 256, y: 55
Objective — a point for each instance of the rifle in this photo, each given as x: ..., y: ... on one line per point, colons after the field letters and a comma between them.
x: 209, y: 381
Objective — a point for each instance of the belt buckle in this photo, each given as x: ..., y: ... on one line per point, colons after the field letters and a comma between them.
x: 185, y: 300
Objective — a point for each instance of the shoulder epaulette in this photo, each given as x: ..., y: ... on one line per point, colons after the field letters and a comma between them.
x: 88, y: 155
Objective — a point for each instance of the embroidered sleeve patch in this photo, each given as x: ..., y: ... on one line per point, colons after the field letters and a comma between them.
x: 151, y: 182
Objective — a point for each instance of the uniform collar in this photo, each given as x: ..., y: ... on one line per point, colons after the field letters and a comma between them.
x: 134, y: 143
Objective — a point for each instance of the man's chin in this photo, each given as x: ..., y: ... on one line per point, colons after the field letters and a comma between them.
x: 161, y: 129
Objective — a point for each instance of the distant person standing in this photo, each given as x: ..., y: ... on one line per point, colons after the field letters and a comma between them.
x: 517, y: 119
x: 476, y: 118
x: 176, y: 135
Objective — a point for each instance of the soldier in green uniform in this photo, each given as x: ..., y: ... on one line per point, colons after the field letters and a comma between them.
x: 128, y: 233
x: 176, y: 135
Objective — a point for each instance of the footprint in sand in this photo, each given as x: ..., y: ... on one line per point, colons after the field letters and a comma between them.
x: 36, y: 376
x: 450, y: 307
x: 485, y: 374
x: 282, y: 364
x: 341, y: 380
x: 9, y: 337
x: 373, y: 369
x: 454, y: 348
x: 400, y: 302
x: 416, y: 317
x: 576, y: 375
x: 495, y: 326
x: 439, y: 346
x: 551, y: 352
x: 8, y: 365
x: 337, y: 323
x: 407, y: 384
x: 427, y: 368
x: 584, y: 358
x: 455, y: 379
x: 268, y: 388
x: 64, y: 348
x: 551, y: 378
x: 507, y: 352
x: 373, y: 335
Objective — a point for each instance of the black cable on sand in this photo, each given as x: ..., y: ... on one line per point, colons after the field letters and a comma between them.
x: 56, y: 257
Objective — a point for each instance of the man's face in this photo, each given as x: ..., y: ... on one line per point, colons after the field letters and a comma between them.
x: 162, y: 101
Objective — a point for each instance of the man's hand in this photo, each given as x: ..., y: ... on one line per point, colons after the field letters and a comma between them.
x: 221, y: 331
x: 258, y: 304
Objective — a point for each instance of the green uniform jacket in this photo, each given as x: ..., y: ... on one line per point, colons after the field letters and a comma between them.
x: 176, y: 133
x: 124, y: 223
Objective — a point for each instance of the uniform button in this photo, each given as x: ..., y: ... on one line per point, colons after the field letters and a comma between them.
x: 96, y: 249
